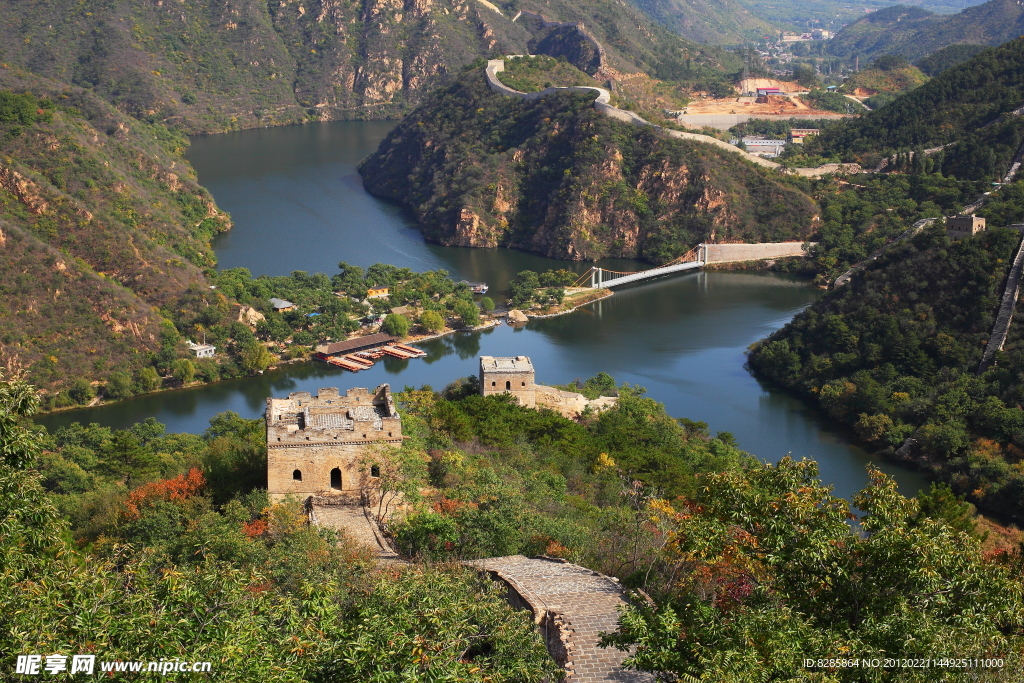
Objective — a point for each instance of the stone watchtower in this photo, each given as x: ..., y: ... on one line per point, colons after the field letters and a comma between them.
x: 315, y: 443
x: 509, y: 376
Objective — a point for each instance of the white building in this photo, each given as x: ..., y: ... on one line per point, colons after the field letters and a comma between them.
x: 202, y: 350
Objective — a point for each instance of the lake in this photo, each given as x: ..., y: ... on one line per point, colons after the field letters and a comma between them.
x: 298, y: 204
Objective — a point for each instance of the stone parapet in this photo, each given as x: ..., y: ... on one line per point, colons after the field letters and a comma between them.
x: 572, y: 605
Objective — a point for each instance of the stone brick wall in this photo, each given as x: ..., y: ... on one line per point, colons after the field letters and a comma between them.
x: 509, y: 375
x: 725, y: 253
x: 572, y: 606
x: 315, y: 443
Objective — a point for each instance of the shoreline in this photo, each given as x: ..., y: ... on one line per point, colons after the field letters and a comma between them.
x: 605, y: 293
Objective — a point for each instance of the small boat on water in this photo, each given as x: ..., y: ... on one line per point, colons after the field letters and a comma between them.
x: 475, y: 287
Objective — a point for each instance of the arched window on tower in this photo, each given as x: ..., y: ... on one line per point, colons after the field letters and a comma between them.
x: 336, y: 479
x: 297, y: 475
x: 508, y: 386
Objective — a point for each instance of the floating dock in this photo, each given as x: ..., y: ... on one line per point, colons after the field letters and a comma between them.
x: 363, y: 360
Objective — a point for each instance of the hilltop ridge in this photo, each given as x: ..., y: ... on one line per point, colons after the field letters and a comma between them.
x: 207, y: 67
x: 914, y: 32
x: 555, y: 177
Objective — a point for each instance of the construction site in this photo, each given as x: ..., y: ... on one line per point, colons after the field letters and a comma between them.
x: 760, y: 98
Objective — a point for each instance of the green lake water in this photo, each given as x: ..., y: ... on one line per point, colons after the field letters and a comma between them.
x: 298, y: 204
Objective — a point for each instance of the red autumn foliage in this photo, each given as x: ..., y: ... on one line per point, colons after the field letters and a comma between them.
x: 179, y: 488
x: 448, y: 506
x: 255, y: 528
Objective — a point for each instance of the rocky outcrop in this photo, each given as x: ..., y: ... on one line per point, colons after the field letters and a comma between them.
x: 27, y: 192
x: 547, y: 173
x: 566, y: 39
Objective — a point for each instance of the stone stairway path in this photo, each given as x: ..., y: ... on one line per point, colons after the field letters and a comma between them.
x: 573, y: 605
x: 354, y: 521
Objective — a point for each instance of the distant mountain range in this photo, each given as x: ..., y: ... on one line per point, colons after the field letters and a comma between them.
x: 914, y: 32
x: 708, y: 21
x: 206, y: 66
x: 970, y: 108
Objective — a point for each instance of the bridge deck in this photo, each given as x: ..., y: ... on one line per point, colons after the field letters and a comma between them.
x: 646, y: 274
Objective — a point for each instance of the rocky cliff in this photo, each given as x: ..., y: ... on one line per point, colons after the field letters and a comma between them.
x: 553, y: 176
x: 207, y: 66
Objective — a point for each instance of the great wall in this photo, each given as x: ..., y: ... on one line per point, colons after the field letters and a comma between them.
x: 602, y: 103
x: 321, y: 449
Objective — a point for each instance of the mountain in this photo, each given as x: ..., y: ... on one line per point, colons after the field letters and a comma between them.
x: 914, y: 32
x: 969, y: 107
x: 894, y: 354
x: 834, y: 14
x: 102, y: 225
x: 206, y: 66
x: 947, y: 57
x: 719, y: 22
x: 555, y: 177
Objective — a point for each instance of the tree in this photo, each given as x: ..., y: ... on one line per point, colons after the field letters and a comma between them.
x: 255, y: 358
x: 806, y: 75
x: 398, y: 474
x: 431, y: 321
x: 396, y: 325
x: 184, y: 370
x: 81, y: 391
x: 119, y: 386
x: 487, y: 304
x: 147, y: 379
x: 764, y: 571
x: 468, y: 313
x: 19, y: 446
x: 522, y: 287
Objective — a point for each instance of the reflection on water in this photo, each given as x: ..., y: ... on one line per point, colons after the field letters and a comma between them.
x: 298, y: 206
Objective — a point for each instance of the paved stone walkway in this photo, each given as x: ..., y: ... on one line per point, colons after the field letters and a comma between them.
x: 576, y: 602
x: 352, y: 520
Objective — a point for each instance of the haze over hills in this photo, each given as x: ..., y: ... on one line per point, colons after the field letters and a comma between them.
x: 709, y: 21
x: 914, y: 32
x: 832, y: 14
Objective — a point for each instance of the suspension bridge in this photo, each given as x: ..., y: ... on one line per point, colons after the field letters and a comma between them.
x: 600, y: 278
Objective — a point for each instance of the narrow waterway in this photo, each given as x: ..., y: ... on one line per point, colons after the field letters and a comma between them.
x: 298, y: 205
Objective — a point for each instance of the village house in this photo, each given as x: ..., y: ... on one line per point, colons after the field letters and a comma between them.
x: 202, y: 350
x: 378, y: 293
x: 761, y: 146
x: 280, y: 305
x: 797, y: 135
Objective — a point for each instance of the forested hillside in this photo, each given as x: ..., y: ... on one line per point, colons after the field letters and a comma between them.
x: 554, y: 176
x: 894, y: 354
x: 205, y: 66
x: 971, y: 105
x: 136, y: 544
x: 105, y: 232
x: 721, y: 22
x: 914, y: 32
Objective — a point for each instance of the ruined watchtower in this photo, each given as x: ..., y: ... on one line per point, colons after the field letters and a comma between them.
x: 509, y: 376
x: 314, y: 443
